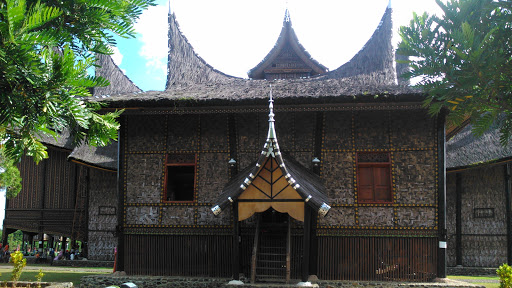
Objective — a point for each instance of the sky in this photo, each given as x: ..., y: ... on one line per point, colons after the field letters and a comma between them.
x: 235, y: 35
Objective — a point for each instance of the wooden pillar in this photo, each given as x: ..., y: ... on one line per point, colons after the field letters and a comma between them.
x: 30, y: 241
x: 40, y: 239
x: 508, y: 217
x: 458, y: 219
x: 441, y: 195
x: 307, y: 246
x: 313, y: 257
x: 313, y: 262
x: 236, y: 243
x: 63, y: 243
x: 119, y: 261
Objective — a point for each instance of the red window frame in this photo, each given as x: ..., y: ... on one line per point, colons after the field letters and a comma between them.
x: 184, y: 163
x: 378, y: 180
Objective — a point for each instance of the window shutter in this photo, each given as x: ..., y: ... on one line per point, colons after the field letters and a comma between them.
x: 365, y: 184
x: 381, y: 184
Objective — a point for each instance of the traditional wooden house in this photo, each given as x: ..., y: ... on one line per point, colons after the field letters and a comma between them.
x: 353, y: 190
x: 341, y: 177
x: 478, y: 199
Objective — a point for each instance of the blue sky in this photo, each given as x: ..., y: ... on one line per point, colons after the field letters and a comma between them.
x: 235, y: 35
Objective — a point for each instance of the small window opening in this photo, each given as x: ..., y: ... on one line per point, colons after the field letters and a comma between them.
x: 179, y: 180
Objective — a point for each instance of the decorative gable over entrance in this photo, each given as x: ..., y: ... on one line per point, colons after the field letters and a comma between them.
x: 288, y: 59
x: 274, y: 181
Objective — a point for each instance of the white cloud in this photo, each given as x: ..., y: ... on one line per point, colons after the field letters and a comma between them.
x: 152, y: 30
x: 117, y: 57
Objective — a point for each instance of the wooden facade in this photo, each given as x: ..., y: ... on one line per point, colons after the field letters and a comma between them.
x: 478, y: 195
x: 65, y: 200
x: 53, y: 199
x: 392, y: 231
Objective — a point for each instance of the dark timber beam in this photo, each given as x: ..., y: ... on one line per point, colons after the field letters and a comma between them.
x: 441, y: 195
x: 307, y: 246
x: 508, y: 217
x: 120, y: 192
x: 458, y: 218
x: 236, y: 251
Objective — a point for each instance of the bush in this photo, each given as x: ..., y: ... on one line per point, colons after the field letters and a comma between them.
x: 19, y: 263
x: 505, y: 273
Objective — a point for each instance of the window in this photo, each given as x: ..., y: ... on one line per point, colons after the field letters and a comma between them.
x: 374, y: 178
x: 180, y: 176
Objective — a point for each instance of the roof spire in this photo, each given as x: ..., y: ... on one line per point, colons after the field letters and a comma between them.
x: 169, y: 4
x: 271, y: 128
x: 389, y: 4
x: 287, y: 14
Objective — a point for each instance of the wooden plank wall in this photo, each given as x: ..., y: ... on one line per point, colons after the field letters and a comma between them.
x: 377, y: 258
x: 52, y: 199
x: 183, y: 255
x: 339, y: 258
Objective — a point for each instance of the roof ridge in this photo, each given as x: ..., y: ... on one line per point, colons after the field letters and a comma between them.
x: 375, y: 57
x: 184, y: 65
x: 119, y: 82
x: 287, y: 34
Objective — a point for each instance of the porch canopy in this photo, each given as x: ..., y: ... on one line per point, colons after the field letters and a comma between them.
x: 275, y: 181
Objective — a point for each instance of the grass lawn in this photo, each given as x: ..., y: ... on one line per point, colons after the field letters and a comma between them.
x: 50, y: 276
x: 474, y: 280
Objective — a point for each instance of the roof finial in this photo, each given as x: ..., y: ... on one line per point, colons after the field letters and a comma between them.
x: 271, y: 106
x: 271, y: 128
x: 389, y: 4
x: 287, y: 14
x: 169, y: 4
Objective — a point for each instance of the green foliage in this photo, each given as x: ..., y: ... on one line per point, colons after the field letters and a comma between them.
x: 18, y: 264
x: 39, y: 277
x: 463, y: 61
x: 46, y: 48
x: 505, y: 274
x: 10, y: 179
x: 14, y: 239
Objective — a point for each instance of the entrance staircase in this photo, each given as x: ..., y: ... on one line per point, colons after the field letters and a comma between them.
x: 271, y: 254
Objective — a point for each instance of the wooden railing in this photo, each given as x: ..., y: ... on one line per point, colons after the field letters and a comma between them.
x: 254, y: 258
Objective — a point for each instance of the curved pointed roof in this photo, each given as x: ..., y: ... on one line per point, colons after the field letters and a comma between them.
x: 287, y: 39
x: 375, y: 59
x: 119, y: 83
x: 184, y: 66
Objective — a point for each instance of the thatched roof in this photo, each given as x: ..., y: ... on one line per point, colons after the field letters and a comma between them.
x: 287, y: 37
x: 188, y: 74
x: 184, y: 65
x: 464, y: 149
x: 369, y: 77
x: 119, y: 83
x: 63, y: 140
x: 358, y: 89
x: 101, y: 157
x: 375, y: 59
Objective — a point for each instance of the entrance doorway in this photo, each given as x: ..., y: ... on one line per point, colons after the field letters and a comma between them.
x: 272, y: 259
